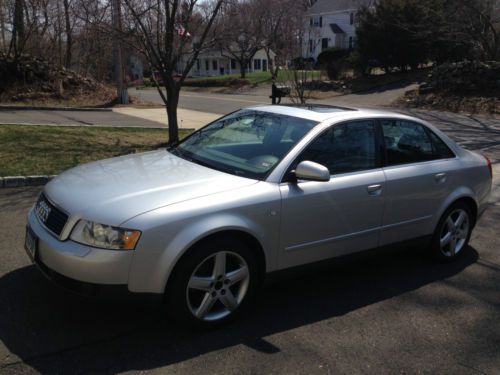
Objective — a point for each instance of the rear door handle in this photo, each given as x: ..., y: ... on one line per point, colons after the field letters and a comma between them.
x: 374, y: 190
x: 440, y: 177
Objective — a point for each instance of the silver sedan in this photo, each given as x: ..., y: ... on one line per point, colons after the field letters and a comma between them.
x: 260, y: 190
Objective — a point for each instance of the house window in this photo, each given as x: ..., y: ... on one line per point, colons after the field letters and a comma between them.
x: 351, y: 42
x: 214, y: 64
x: 310, y: 21
x: 351, y: 21
x: 256, y: 64
x: 264, y: 65
x: 198, y: 64
x: 320, y: 21
x: 324, y: 43
x: 207, y: 68
x: 311, y: 49
x: 233, y: 64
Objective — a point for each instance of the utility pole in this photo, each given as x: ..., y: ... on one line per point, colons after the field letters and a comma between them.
x: 121, y: 88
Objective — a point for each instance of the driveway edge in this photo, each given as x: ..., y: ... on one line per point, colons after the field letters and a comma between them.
x: 20, y: 181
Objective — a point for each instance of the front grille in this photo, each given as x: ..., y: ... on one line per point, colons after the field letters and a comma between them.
x: 55, y: 220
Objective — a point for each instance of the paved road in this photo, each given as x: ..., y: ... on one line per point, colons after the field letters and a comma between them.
x: 207, y: 102
x: 204, y: 104
x: 399, y: 313
x: 224, y: 103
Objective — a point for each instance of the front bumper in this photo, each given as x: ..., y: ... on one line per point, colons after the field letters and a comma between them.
x: 79, y: 262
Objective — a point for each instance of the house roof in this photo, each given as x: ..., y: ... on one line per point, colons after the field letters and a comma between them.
x: 336, y: 29
x: 330, y: 6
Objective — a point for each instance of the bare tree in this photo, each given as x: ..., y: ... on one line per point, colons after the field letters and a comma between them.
x: 240, y: 30
x: 281, y: 29
x: 481, y: 20
x: 170, y: 34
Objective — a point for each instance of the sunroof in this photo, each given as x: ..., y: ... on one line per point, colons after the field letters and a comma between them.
x: 320, y: 108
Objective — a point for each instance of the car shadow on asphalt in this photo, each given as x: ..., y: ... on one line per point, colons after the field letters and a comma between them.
x: 52, y: 330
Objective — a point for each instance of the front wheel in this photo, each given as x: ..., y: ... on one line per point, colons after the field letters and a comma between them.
x: 453, y: 232
x: 212, y: 282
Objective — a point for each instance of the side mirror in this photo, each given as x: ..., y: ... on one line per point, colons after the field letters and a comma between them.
x: 310, y: 171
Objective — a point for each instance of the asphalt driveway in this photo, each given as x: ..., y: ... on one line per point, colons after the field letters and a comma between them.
x: 399, y: 313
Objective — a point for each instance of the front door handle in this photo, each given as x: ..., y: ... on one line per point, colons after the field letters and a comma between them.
x: 374, y: 190
x: 440, y: 177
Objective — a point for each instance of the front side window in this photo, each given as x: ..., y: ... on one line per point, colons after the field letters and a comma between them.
x: 406, y: 142
x: 345, y: 148
x: 246, y: 143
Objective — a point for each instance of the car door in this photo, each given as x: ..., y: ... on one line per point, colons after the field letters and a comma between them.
x: 419, y: 169
x: 326, y: 219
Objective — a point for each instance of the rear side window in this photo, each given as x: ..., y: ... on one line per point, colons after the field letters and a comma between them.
x: 345, y: 148
x: 441, y: 150
x: 406, y: 142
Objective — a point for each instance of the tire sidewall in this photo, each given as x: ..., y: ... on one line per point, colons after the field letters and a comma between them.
x: 175, y: 292
x: 436, y: 246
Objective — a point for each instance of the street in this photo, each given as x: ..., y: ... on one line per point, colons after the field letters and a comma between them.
x: 224, y: 103
x: 195, y: 108
x: 396, y: 313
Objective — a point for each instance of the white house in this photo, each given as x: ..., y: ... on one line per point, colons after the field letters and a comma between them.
x: 331, y: 23
x: 214, y: 63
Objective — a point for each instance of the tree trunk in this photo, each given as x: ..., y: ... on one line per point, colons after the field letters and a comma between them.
x: 17, y: 39
x: 69, y: 37
x: 2, y: 27
x: 273, y: 67
x: 171, y: 107
x: 243, y: 70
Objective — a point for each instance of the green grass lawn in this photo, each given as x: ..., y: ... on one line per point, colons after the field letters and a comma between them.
x: 45, y: 150
x: 256, y: 78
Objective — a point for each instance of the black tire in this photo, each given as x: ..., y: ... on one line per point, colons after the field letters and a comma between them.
x: 445, y: 254
x: 179, y: 299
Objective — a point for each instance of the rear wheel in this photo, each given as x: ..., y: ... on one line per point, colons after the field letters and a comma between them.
x: 213, y: 282
x: 453, y: 232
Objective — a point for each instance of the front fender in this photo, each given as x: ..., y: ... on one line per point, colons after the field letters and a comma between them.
x: 162, y: 245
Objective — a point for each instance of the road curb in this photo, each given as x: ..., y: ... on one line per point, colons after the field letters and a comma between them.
x: 20, y: 181
x: 35, y: 108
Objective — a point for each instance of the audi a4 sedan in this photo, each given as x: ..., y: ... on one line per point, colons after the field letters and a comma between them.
x: 260, y: 190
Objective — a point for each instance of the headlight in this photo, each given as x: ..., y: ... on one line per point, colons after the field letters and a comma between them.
x: 104, y: 236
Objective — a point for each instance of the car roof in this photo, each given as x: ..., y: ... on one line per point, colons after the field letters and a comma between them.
x: 321, y: 113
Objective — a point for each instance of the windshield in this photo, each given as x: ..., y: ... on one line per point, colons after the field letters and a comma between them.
x: 245, y: 143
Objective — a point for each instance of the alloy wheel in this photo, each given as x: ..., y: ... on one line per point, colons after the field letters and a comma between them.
x: 454, y: 233
x: 217, y: 286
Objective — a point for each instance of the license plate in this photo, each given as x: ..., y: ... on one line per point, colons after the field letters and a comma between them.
x: 30, y: 243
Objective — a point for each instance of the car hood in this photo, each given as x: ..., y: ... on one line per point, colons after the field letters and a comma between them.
x: 114, y: 190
